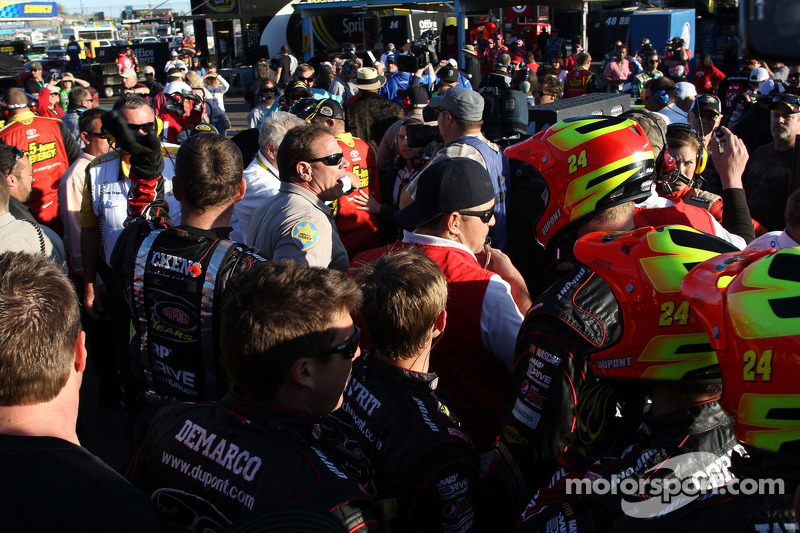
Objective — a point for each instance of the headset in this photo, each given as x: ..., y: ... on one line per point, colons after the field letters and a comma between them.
x: 661, y: 96
x: 702, y: 154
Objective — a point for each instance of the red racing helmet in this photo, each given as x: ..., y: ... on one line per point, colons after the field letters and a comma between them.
x: 749, y: 303
x: 661, y: 339
x: 589, y: 164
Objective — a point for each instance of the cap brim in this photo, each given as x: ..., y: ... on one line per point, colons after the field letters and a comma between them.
x: 792, y: 108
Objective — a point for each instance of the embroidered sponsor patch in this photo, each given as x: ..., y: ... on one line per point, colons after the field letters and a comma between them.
x: 305, y: 234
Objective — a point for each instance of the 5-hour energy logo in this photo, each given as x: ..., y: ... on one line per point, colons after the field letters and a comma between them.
x: 41, y: 151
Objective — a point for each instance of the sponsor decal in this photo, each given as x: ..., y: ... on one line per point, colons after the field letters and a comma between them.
x: 305, y: 234
x: 620, y: 362
x: 38, y: 152
x: 512, y: 436
x: 545, y: 356
x: 175, y: 314
x: 525, y: 414
x: 550, y: 221
x: 227, y: 454
x: 570, y: 283
x: 362, y: 396
x: 354, y: 155
x: 174, y: 263
x: 458, y: 433
x: 159, y: 350
x: 424, y: 412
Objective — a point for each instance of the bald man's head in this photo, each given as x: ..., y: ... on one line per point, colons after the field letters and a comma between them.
x: 16, y: 100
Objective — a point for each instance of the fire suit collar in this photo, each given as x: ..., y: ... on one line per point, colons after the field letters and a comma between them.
x: 213, y: 233
x: 696, y: 419
x: 25, y: 116
x: 429, y: 380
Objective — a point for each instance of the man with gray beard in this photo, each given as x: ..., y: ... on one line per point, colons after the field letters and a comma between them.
x: 767, y: 177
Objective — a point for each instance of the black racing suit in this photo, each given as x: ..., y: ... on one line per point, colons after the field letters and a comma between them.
x: 173, y: 279
x: 425, y: 469
x: 205, y: 465
x: 576, y: 315
x: 757, y: 513
x: 688, y: 446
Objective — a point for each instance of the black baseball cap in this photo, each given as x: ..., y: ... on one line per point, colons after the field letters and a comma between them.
x: 308, y: 108
x: 446, y: 186
x: 708, y: 102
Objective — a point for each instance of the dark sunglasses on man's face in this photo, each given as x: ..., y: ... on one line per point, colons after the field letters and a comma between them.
x: 348, y: 348
x: 329, y: 160
x: 100, y: 135
x: 306, y: 79
x: 485, y: 216
x: 145, y: 128
x: 269, y: 90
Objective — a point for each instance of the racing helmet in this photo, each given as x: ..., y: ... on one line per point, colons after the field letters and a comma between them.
x: 589, y: 164
x: 661, y: 340
x: 749, y: 303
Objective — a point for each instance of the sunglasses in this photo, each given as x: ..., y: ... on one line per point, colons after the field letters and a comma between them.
x: 99, y: 135
x: 348, y: 348
x: 306, y: 79
x: 485, y: 216
x: 145, y: 128
x: 332, y: 160
x: 270, y: 90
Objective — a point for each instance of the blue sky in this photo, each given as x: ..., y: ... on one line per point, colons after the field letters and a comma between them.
x: 113, y: 8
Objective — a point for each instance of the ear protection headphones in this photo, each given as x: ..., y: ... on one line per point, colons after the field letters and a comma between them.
x: 661, y: 96
x: 702, y: 154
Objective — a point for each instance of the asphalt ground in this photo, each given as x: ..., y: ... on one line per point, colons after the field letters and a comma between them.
x: 102, y: 428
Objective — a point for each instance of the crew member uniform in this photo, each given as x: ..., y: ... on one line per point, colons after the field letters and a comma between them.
x: 211, y: 463
x: 475, y: 355
x: 357, y: 228
x: 173, y: 279
x: 679, y: 445
x: 105, y: 195
x: 51, y: 149
x: 425, y: 468
x: 296, y: 224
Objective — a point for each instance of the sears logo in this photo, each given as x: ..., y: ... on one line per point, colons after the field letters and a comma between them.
x: 354, y: 155
x: 174, y: 314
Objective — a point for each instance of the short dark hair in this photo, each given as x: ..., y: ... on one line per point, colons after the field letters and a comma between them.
x: 277, y: 312
x: 298, y: 145
x: 8, y: 158
x: 129, y: 101
x: 404, y: 292
x: 89, y: 116
x: 208, y: 170
x: 77, y: 95
x: 552, y: 86
x: 467, y: 124
x: 39, y: 324
x: 662, y: 84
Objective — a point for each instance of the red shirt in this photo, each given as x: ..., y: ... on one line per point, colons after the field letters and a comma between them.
x: 357, y: 228
x: 40, y: 139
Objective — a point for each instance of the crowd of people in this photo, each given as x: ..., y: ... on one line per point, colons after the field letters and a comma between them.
x: 365, y: 313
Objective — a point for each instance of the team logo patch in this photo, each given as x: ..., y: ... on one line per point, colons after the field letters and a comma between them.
x: 305, y: 234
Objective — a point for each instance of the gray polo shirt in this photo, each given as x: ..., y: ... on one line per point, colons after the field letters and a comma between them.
x: 296, y: 224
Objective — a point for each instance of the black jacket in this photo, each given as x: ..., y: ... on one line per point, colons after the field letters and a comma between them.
x: 689, y: 448
x: 425, y: 469
x: 574, y: 316
x: 205, y: 465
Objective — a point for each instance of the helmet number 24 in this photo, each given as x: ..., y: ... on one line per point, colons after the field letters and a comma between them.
x: 755, y: 365
x: 670, y: 314
x: 577, y: 160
